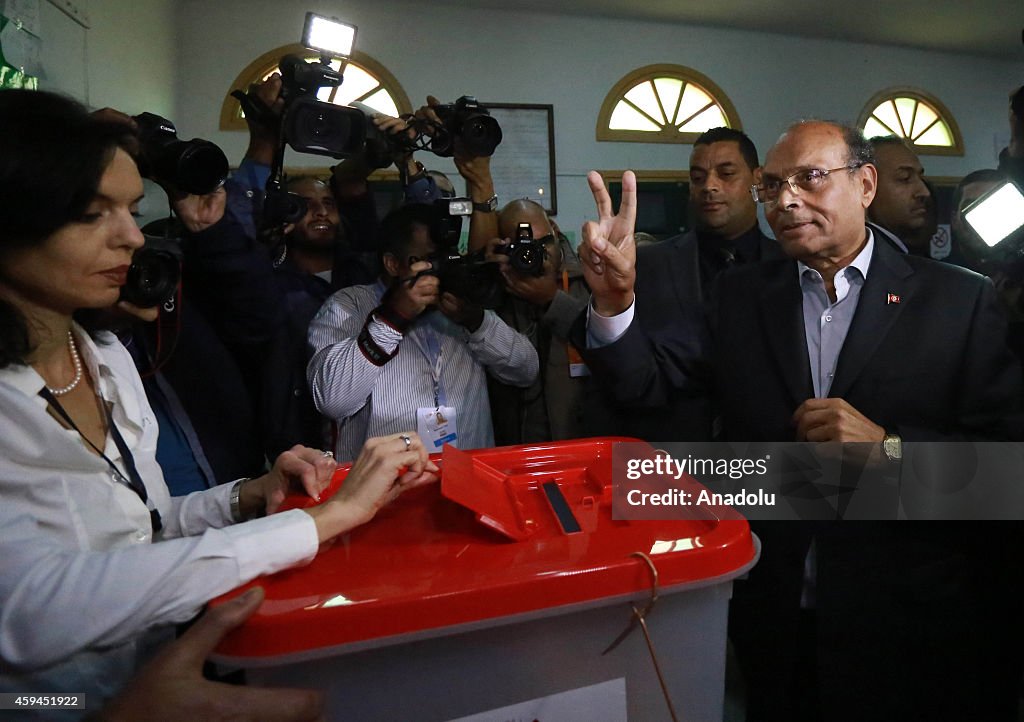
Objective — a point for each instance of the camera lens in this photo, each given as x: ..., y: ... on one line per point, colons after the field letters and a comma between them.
x: 528, y: 259
x: 200, y: 166
x: 481, y: 134
x: 152, y: 278
x: 325, y: 129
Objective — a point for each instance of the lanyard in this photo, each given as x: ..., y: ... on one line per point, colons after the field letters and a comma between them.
x: 430, y: 347
x: 134, y: 480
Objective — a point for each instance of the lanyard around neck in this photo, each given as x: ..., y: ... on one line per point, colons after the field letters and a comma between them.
x: 133, y: 481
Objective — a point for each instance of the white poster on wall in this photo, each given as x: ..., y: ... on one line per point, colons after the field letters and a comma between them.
x: 604, y: 702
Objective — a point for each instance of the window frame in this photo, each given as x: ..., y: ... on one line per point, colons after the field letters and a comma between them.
x: 921, y: 96
x: 230, y: 119
x: 667, y: 134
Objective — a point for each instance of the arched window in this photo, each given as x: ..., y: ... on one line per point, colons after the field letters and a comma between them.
x: 664, y: 104
x: 366, y: 80
x: 916, y: 116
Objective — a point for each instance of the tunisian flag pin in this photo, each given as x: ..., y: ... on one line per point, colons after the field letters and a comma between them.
x: 891, y: 298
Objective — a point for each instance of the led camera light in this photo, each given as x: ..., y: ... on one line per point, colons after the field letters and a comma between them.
x: 328, y: 35
x: 997, y: 214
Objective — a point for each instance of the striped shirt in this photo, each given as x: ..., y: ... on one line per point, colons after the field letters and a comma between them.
x: 369, y: 400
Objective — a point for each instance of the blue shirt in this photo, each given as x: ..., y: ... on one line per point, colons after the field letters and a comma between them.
x: 827, y: 322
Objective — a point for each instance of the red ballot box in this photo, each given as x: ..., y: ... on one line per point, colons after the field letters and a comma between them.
x: 503, y: 583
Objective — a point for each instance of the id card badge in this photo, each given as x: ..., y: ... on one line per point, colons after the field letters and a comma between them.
x: 577, y: 368
x: 436, y: 426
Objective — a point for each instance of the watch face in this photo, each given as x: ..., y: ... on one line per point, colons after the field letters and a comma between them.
x: 892, y: 447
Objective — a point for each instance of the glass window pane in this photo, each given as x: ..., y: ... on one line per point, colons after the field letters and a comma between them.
x: 382, y: 102
x: 642, y: 96
x: 925, y: 117
x: 669, y: 90
x: 625, y: 117
x: 906, y: 106
x: 693, y: 100
x: 887, y: 114
x: 938, y: 134
x: 357, y: 83
x: 874, y: 128
x: 713, y: 117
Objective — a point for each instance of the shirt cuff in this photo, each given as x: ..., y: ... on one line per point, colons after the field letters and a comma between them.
x: 605, y: 330
x: 276, y: 542
x: 384, y: 335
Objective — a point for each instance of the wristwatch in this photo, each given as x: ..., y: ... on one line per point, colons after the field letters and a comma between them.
x: 892, y: 447
x: 488, y: 206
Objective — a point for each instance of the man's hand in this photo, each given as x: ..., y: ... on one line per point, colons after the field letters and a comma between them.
x: 298, y: 468
x: 834, y: 420
x: 608, y: 251
x: 171, y: 686
x: 412, y: 296
x: 463, y: 312
x: 263, y: 131
x: 200, y: 212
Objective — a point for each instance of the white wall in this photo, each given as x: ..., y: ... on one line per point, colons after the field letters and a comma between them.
x: 132, y: 54
x: 572, y: 62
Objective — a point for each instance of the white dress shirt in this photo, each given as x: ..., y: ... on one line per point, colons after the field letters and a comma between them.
x: 368, y: 400
x: 81, y: 578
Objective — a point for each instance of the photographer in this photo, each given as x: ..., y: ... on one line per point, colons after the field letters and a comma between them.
x: 1011, y: 159
x: 403, y: 351
x: 543, y: 307
x: 82, y: 497
x: 312, y: 263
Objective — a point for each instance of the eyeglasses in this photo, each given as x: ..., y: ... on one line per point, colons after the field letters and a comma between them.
x: 810, y: 180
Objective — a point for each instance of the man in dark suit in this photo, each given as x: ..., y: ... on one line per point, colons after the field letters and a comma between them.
x: 847, y: 340
x: 674, y: 279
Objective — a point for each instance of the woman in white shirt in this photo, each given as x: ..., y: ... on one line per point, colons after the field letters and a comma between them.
x: 93, y: 550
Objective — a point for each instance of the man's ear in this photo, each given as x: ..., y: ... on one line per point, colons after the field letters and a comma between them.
x: 391, y: 264
x: 757, y: 174
x: 869, y: 183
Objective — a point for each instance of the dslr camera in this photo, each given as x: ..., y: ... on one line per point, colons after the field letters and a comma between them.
x: 465, y: 121
x: 154, y: 273
x: 194, y: 166
x: 525, y: 255
x: 469, y: 277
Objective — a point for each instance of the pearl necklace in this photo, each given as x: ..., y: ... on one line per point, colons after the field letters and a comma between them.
x: 77, y: 361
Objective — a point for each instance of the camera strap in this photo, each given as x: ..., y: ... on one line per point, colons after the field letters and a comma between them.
x: 133, y: 481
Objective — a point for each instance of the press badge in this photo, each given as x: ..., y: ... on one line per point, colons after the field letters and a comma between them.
x: 436, y: 426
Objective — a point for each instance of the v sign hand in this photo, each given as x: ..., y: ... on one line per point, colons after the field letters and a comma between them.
x: 607, y: 251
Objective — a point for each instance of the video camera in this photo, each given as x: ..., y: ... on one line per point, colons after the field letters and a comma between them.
x: 307, y: 124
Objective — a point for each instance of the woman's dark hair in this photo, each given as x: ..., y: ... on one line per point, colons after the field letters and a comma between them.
x: 52, y: 157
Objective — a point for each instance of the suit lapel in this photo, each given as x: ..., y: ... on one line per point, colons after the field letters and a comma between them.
x: 781, y: 311
x: 887, y: 289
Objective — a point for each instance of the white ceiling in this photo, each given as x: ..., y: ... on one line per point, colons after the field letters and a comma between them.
x: 976, y: 27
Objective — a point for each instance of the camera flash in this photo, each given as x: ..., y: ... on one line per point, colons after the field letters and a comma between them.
x: 997, y: 214
x: 328, y: 35
x: 460, y: 207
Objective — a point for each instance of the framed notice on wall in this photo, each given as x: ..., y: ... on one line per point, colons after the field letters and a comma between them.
x: 523, y: 166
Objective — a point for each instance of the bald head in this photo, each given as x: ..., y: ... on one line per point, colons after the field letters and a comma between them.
x: 524, y: 211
